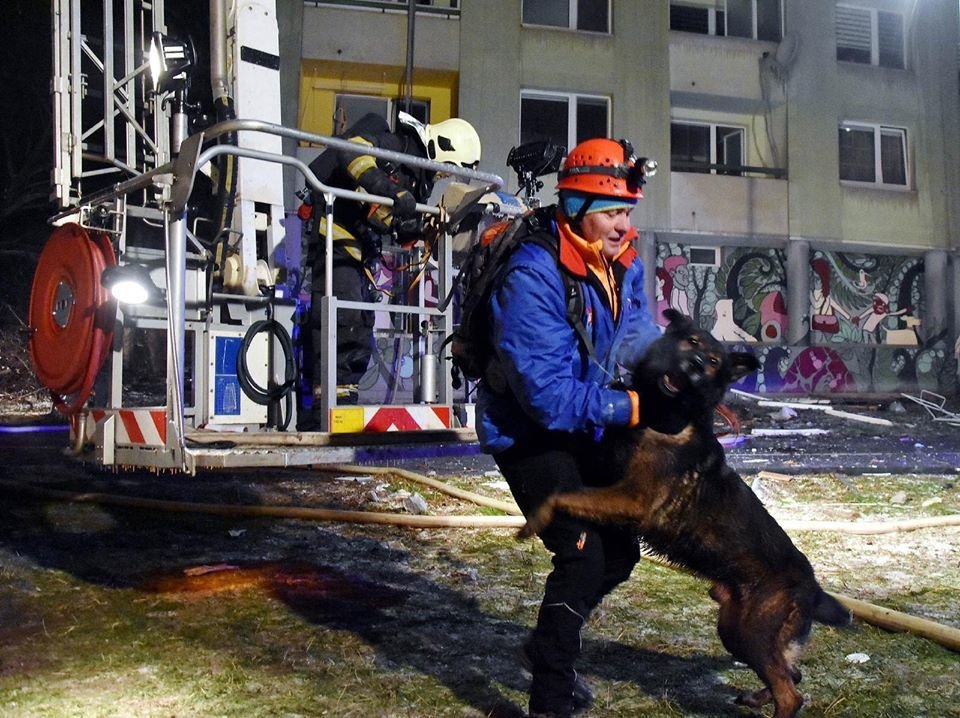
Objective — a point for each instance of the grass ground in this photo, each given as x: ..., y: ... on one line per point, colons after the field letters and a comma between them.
x: 123, y: 612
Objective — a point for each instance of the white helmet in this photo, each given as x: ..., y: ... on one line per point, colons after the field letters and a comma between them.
x: 453, y: 141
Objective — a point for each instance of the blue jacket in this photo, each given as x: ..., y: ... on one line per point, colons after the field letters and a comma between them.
x: 552, y: 382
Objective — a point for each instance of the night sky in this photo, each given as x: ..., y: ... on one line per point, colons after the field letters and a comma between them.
x: 26, y: 149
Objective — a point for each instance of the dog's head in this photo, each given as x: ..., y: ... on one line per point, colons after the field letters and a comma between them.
x: 685, y: 373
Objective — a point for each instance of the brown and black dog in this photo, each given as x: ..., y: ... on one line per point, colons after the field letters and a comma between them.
x: 691, y: 507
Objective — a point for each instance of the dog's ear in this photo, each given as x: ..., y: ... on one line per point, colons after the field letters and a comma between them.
x: 741, y: 364
x: 678, y: 322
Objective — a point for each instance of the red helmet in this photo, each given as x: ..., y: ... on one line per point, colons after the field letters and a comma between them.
x: 603, y: 167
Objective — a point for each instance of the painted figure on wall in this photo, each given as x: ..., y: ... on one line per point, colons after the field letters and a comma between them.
x: 672, y: 280
x: 824, y: 309
x: 664, y: 288
x: 872, y: 318
x: 725, y: 327
x: 773, y: 317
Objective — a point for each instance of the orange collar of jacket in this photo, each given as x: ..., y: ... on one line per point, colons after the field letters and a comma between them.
x: 581, y: 258
x: 576, y: 254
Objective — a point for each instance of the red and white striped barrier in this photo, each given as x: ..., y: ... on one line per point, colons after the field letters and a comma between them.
x: 354, y: 419
x: 135, y: 427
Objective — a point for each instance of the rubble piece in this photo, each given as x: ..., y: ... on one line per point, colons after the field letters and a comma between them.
x: 785, y: 414
x: 858, y: 417
x: 798, y: 403
x: 415, y: 504
x: 818, y: 405
x: 788, y: 432
x: 774, y: 476
x: 935, y: 404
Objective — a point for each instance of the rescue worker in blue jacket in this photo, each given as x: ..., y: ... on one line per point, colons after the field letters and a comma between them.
x: 360, y: 228
x: 543, y: 428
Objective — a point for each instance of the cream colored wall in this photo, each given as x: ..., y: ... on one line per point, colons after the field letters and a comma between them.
x: 364, y: 52
x: 654, y: 75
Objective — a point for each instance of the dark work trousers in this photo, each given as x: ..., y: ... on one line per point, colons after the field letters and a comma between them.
x: 589, y: 559
x: 354, y: 326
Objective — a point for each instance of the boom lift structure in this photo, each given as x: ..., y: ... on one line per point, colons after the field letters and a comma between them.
x: 222, y: 292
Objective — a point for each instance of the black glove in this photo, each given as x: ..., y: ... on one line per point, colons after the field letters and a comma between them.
x: 404, y: 204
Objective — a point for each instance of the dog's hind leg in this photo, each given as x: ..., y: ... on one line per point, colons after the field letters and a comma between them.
x: 786, y: 698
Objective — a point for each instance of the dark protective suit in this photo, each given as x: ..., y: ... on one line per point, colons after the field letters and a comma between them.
x: 359, y: 230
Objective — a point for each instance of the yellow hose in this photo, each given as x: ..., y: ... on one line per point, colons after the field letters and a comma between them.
x: 252, y: 511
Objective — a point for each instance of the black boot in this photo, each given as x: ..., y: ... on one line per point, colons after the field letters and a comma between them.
x: 582, y: 698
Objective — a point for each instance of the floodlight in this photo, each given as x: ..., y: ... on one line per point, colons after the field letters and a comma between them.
x: 130, y: 284
x: 170, y: 63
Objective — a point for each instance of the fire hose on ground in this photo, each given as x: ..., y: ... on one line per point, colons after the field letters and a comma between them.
x: 879, y: 616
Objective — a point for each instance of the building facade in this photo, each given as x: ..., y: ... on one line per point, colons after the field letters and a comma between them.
x: 808, y: 199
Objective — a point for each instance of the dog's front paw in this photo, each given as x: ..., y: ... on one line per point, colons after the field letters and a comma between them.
x: 537, y: 522
x: 526, y: 531
x: 757, y: 699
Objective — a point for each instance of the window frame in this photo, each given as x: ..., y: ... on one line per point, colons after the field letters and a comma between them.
x: 392, y: 106
x: 879, y: 130
x: 712, y: 143
x: 874, y: 16
x: 718, y: 20
x: 573, y: 18
x: 571, y: 99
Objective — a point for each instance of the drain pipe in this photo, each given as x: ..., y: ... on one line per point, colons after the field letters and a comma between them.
x: 408, y: 70
x: 218, y: 51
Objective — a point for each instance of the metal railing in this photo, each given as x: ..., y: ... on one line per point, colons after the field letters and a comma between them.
x: 178, y: 177
x: 727, y: 169
x: 448, y: 8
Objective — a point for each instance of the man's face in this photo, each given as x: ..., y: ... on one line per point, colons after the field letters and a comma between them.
x: 608, y: 227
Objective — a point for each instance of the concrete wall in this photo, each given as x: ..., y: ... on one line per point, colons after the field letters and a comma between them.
x: 379, y: 38
x: 501, y: 58
x: 791, y: 114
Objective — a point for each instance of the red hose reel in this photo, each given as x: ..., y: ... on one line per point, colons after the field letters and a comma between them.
x: 72, y: 315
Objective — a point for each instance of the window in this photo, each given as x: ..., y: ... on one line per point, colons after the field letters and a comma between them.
x: 585, y: 15
x: 873, y: 154
x: 350, y: 108
x: 706, y: 148
x: 564, y: 119
x: 870, y: 36
x: 705, y: 256
x: 758, y: 19
x: 452, y: 4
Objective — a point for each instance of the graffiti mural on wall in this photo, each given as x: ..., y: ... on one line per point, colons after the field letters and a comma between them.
x: 866, y: 333
x: 740, y: 298
x: 874, y: 299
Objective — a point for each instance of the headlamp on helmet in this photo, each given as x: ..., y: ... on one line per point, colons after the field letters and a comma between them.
x: 605, y: 167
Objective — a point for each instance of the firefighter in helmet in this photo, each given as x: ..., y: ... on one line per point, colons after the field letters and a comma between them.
x: 360, y: 229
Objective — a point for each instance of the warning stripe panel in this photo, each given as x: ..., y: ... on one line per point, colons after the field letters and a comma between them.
x: 135, y: 427
x: 390, y: 418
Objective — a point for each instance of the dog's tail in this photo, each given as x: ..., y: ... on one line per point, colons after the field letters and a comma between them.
x: 828, y: 610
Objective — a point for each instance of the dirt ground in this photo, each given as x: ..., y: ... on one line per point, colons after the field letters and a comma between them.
x: 109, y: 610
x: 116, y: 611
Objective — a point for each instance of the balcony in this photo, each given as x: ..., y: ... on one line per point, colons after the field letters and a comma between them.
x: 436, y: 7
x: 742, y: 201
